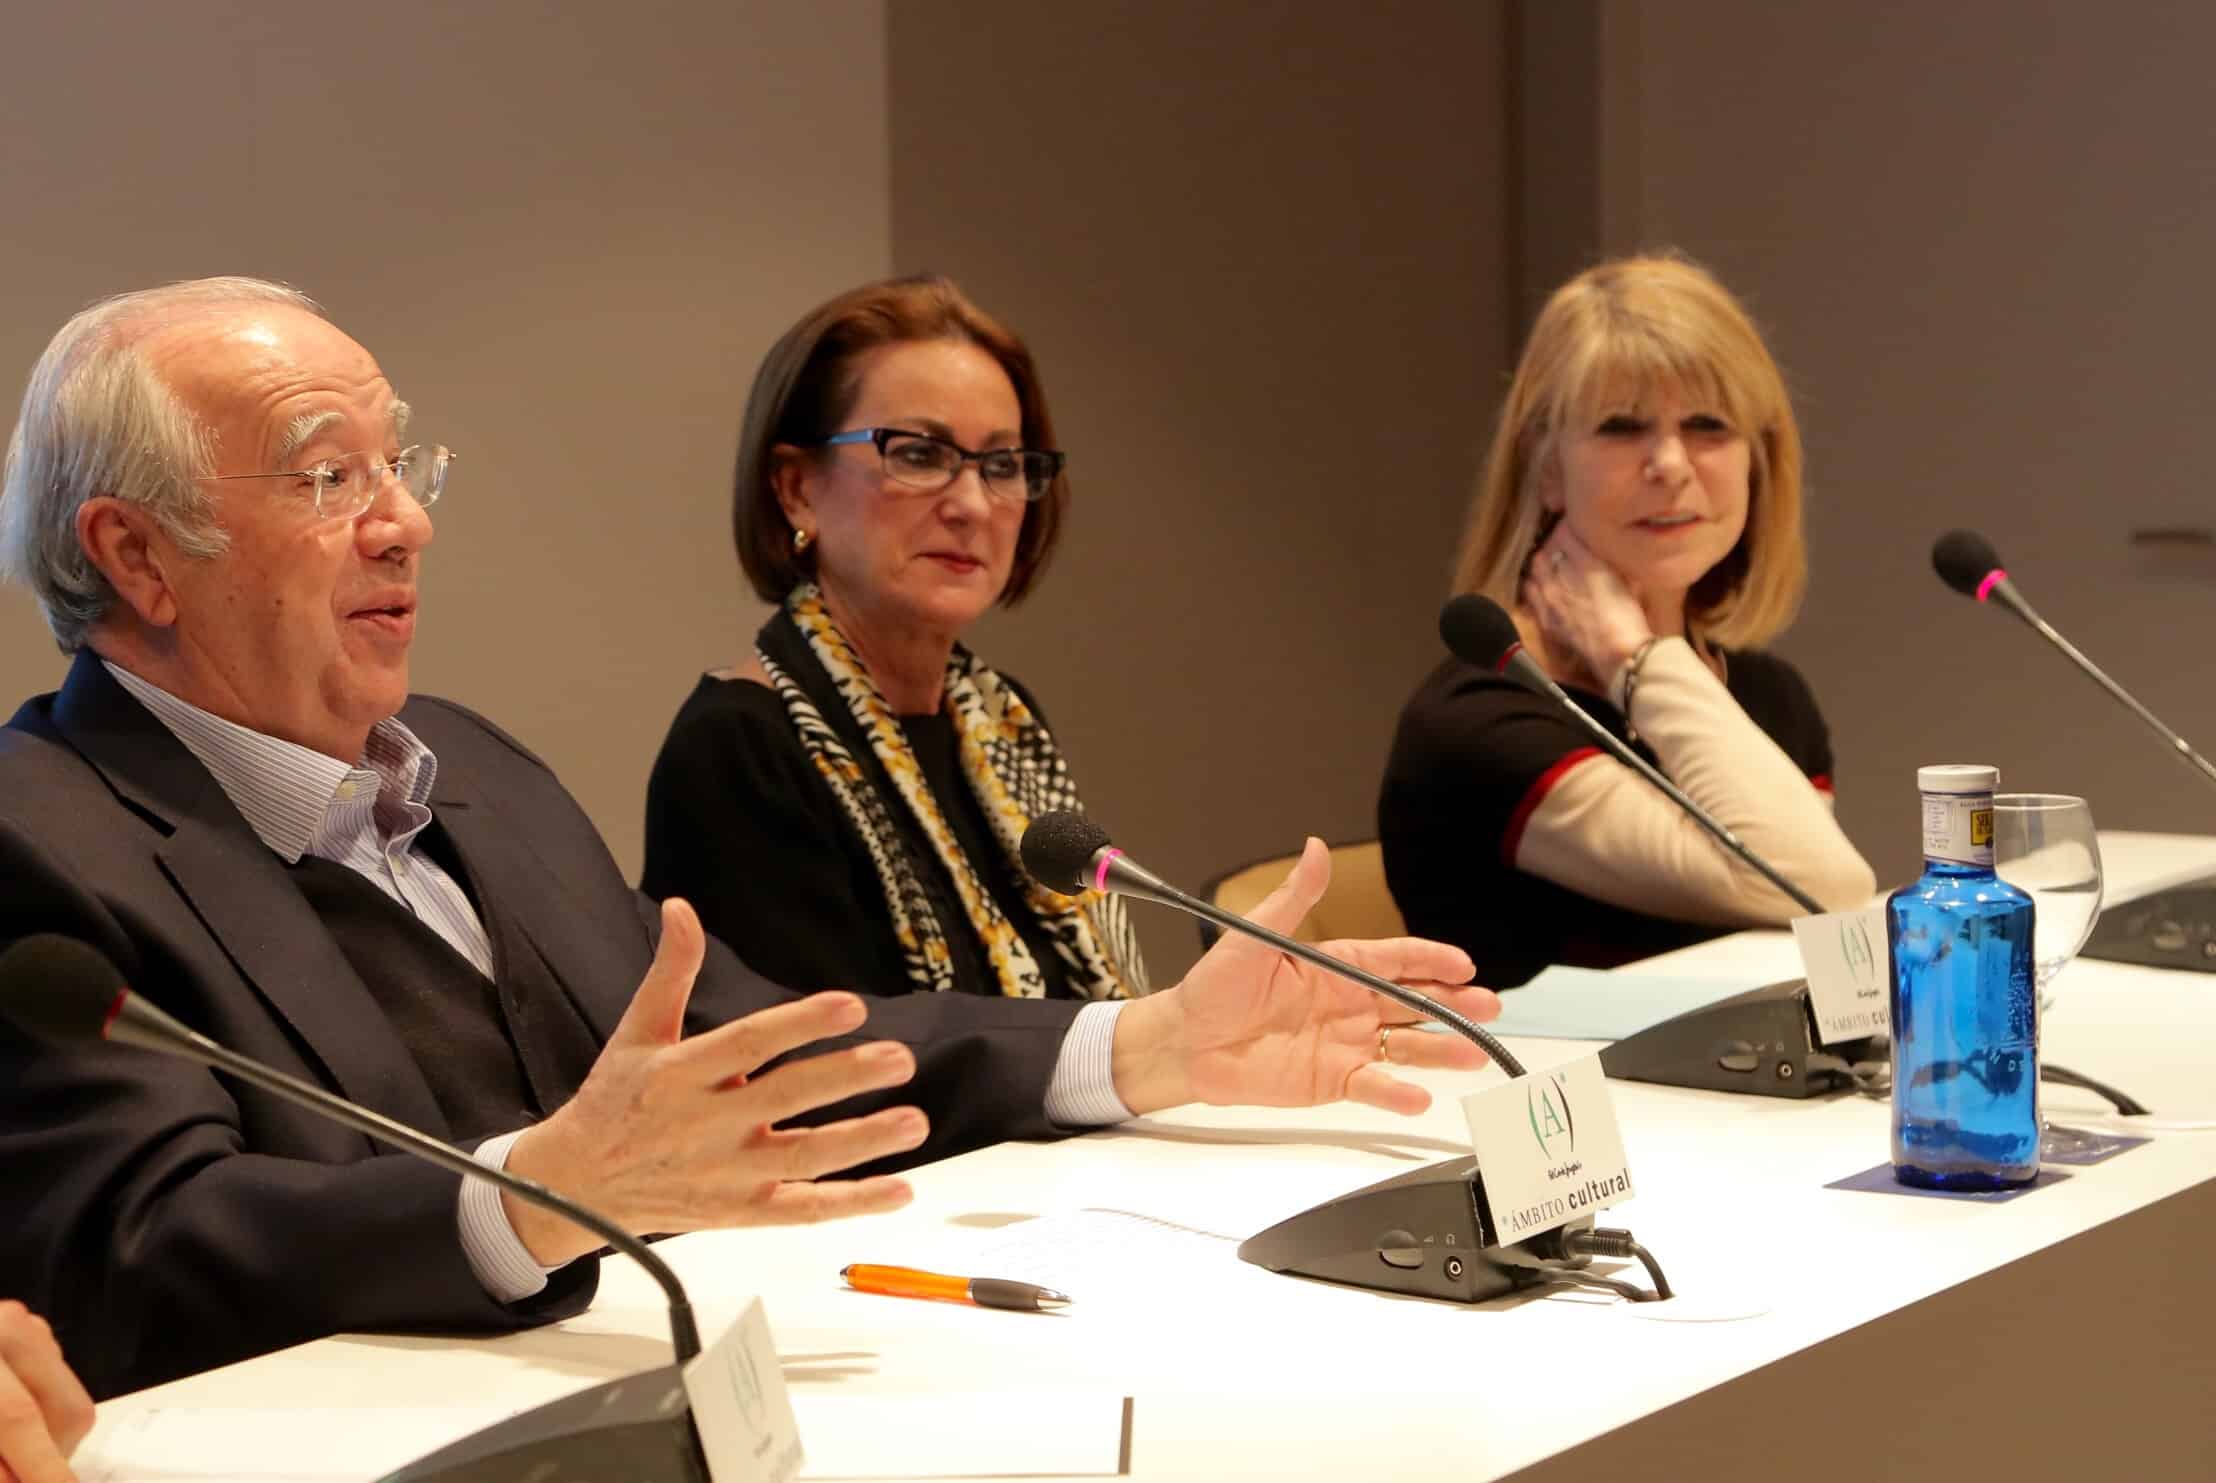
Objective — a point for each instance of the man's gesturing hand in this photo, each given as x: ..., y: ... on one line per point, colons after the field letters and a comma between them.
x: 670, y: 1134
x: 1251, y: 1024
x: 44, y: 1412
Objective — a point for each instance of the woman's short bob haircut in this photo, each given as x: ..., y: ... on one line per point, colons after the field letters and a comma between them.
x: 808, y: 384
x: 1626, y: 328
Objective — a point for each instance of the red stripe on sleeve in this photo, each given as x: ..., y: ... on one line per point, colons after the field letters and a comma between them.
x: 1512, y: 841
x: 1822, y: 782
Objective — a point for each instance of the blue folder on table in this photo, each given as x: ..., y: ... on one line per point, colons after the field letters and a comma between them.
x: 1587, y: 1004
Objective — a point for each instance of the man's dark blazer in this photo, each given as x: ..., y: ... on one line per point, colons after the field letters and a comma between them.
x: 167, y: 1219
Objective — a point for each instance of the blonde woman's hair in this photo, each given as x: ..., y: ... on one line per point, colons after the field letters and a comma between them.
x: 1638, y: 324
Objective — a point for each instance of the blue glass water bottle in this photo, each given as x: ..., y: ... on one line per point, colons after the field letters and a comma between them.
x: 1965, y: 1011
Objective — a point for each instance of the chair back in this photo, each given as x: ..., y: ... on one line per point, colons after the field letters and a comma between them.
x: 1357, y: 903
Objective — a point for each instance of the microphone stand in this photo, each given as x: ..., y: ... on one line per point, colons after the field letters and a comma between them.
x: 1479, y: 632
x: 137, y: 1022
x: 1133, y: 879
x: 639, y: 1427
x: 2013, y: 600
x: 1367, y: 1238
x: 1525, y: 671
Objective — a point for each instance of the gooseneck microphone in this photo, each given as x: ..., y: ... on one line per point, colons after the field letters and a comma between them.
x: 1967, y: 562
x: 58, y: 989
x: 1069, y: 853
x: 1362, y: 1239
x: 1478, y: 631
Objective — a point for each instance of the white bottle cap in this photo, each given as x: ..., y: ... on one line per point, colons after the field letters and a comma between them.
x: 1958, y: 777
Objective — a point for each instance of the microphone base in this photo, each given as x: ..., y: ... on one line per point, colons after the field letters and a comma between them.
x: 638, y: 1428
x: 1762, y: 1042
x: 2170, y: 929
x: 1424, y: 1234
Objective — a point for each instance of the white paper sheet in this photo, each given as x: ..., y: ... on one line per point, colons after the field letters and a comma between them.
x: 1049, y: 1434
x: 847, y: 1437
x: 1587, y: 1004
x: 1086, y: 1253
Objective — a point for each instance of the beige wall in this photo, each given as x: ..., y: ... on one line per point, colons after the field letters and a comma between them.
x: 1257, y: 250
x: 1980, y: 234
x: 568, y: 232
x: 1273, y: 258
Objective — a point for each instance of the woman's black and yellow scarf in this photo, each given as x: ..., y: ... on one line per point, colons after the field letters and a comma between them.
x: 1014, y: 770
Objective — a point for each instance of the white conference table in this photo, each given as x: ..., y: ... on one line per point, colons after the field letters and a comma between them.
x: 1820, y: 1334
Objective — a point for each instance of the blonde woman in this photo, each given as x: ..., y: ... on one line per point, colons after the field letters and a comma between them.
x: 1640, y: 516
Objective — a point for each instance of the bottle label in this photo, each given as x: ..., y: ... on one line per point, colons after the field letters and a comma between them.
x: 1958, y: 828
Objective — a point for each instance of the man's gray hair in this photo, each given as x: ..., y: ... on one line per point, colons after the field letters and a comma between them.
x: 97, y: 420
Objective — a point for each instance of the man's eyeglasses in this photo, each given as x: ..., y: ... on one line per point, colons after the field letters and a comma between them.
x: 344, y: 486
x: 923, y: 462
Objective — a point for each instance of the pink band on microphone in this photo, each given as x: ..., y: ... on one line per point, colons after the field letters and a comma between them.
x: 115, y: 1012
x: 1507, y: 659
x: 1100, y: 877
x: 1993, y: 579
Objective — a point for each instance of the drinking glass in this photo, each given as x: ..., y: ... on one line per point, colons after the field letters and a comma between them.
x: 2044, y: 845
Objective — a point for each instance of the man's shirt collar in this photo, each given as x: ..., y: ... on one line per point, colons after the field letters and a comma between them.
x: 294, y: 797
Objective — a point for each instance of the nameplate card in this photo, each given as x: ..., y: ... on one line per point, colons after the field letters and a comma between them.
x: 1547, y: 1148
x: 737, y: 1389
x: 1849, y: 973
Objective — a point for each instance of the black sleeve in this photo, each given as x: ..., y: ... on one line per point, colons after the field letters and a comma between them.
x: 983, y: 1063
x: 1473, y: 755
x: 141, y: 1221
x: 739, y: 824
x: 1777, y: 699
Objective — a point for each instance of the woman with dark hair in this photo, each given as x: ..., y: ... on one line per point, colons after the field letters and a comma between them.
x: 1640, y: 517
x: 843, y: 806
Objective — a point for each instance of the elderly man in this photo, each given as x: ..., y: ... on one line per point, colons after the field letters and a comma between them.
x: 214, y: 494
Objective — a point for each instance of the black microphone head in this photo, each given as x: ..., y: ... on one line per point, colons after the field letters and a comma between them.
x: 1965, y: 561
x: 1478, y: 630
x: 1058, y: 850
x: 57, y: 988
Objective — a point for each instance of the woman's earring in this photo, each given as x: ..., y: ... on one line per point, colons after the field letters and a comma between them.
x: 801, y: 540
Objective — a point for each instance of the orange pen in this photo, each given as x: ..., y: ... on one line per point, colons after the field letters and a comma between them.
x: 983, y: 1292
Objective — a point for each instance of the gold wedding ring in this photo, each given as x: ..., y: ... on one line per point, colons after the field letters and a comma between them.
x: 1383, y: 1033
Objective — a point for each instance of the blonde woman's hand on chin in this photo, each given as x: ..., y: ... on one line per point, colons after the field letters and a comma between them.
x: 1584, y: 608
